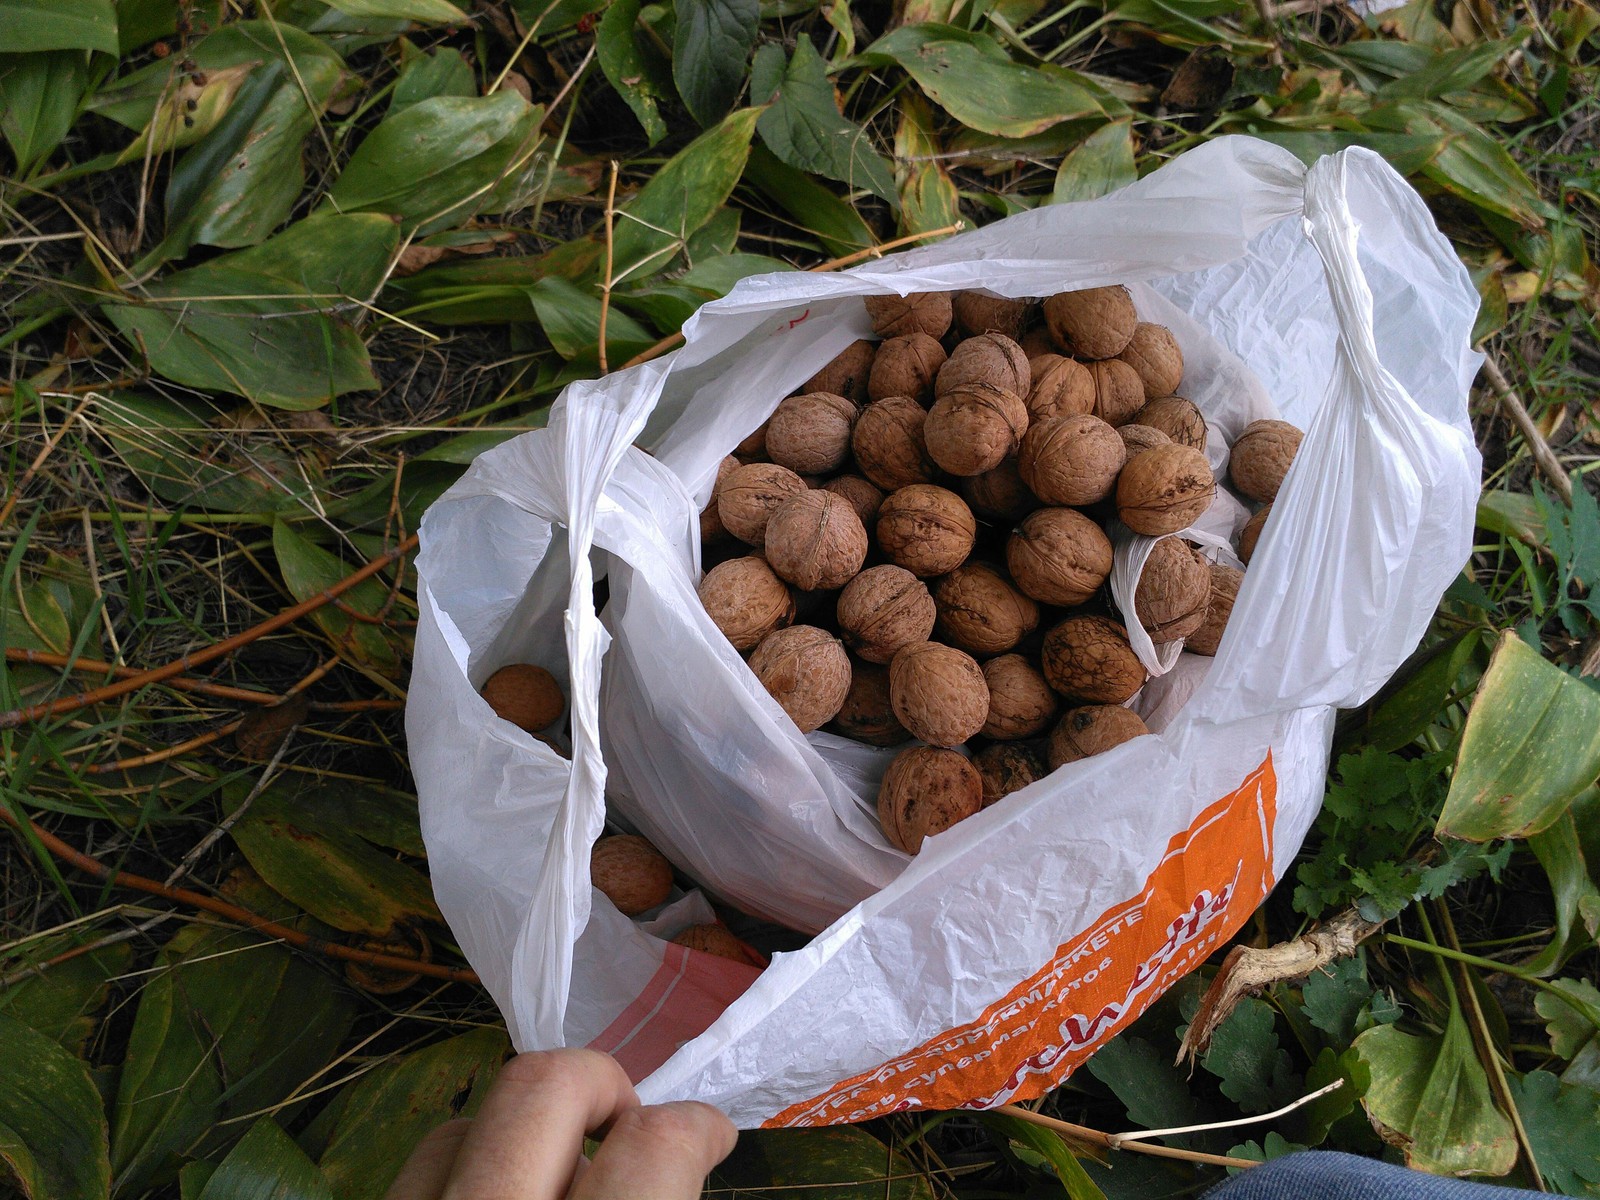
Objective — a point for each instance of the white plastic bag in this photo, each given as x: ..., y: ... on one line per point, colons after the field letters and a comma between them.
x: 988, y: 967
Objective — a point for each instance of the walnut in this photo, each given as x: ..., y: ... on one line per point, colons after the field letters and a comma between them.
x: 866, y: 715
x: 816, y: 541
x: 1036, y: 340
x: 1173, y: 588
x: 847, y: 374
x: 982, y: 312
x: 927, y: 530
x: 715, y: 939
x: 1059, y: 556
x: 906, y: 366
x: 1021, y: 703
x: 1164, y: 489
x: 920, y: 312
x: 1261, y: 457
x: 1153, y: 352
x: 1092, y: 730
x: 1007, y: 767
x: 806, y: 671
x: 1118, y: 391
x: 883, y: 609
x: 1093, y: 323
x: 925, y: 791
x: 1140, y: 437
x: 631, y: 873
x: 938, y: 693
x: 980, y: 612
x: 890, y: 445
x: 1062, y: 387
x: 527, y: 696
x: 991, y: 358
x: 711, y: 526
x: 973, y: 428
x: 1090, y: 658
x: 1176, y: 417
x: 746, y: 600
x: 1251, y: 534
x: 1071, y: 460
x: 859, y: 495
x: 810, y: 434
x: 1000, y: 493
x: 750, y: 495
x: 1224, y: 591
x: 754, y: 446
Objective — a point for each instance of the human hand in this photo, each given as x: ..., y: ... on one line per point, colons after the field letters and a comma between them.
x: 526, y: 1143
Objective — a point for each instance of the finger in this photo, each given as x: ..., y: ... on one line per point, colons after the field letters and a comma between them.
x: 525, y: 1141
x: 425, y: 1172
x: 663, y: 1152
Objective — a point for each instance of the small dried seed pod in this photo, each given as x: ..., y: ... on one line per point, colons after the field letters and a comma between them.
x: 1093, y: 323
x: 1062, y: 387
x: 810, y: 434
x: 938, y: 693
x: 982, y: 312
x: 711, y: 526
x: 906, y: 366
x: 991, y: 358
x: 847, y: 374
x: 1021, y: 704
x: 859, y: 495
x: 749, y: 496
x: 1172, y: 592
x: 1071, y: 460
x: 981, y: 612
x: 1153, y: 352
x: 866, y: 715
x: 746, y: 600
x: 1164, y: 489
x: 816, y: 541
x: 890, y: 444
x: 1176, y: 417
x: 713, y: 939
x: 1251, y: 534
x: 1140, y: 437
x: 920, y: 312
x: 1118, y: 391
x: 927, y: 530
x: 754, y: 446
x: 1224, y: 591
x: 1059, y: 556
x: 1007, y: 767
x: 1261, y: 457
x: 1000, y: 493
x: 1089, y: 658
x: 631, y: 873
x: 925, y: 791
x: 883, y: 609
x: 527, y: 696
x: 806, y: 671
x: 974, y: 428
x: 1091, y: 730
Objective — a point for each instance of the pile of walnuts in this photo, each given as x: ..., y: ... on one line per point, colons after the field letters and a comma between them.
x: 914, y: 546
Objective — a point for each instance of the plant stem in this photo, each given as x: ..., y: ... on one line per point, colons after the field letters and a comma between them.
x: 1587, y: 1011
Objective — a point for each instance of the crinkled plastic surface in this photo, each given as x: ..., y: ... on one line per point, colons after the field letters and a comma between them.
x: 1015, y: 943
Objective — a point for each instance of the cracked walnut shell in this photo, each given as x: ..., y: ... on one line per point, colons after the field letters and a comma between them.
x: 906, y: 366
x: 1225, y: 582
x: 1164, y: 489
x: 890, y: 443
x: 920, y: 312
x: 975, y: 427
x: 1261, y: 456
x: 981, y: 612
x: 746, y: 600
x: 1089, y: 658
x: 938, y: 692
x: 1005, y: 768
x: 883, y: 609
x: 1071, y: 460
x: 1174, y: 586
x: 1059, y: 556
x: 750, y: 495
x: 925, y: 791
x: 806, y: 671
x: 1092, y: 323
x: 927, y: 530
x: 816, y: 542
x: 990, y: 358
x: 810, y: 434
x: 1153, y: 353
x: 1021, y: 704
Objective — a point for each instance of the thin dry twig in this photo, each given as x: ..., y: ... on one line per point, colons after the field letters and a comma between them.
x: 1549, y: 465
x: 605, y: 287
x: 39, y: 460
x: 1095, y: 1137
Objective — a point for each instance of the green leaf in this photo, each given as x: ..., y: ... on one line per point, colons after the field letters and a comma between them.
x: 1407, y: 153
x: 52, y: 1125
x: 803, y: 126
x: 1432, y: 1094
x: 331, y: 873
x: 442, y: 73
x: 680, y: 198
x: 633, y: 66
x: 39, y: 98
x: 1319, y: 1117
x: 1251, y: 1068
x: 1334, y: 995
x: 1450, y: 70
x: 1531, y: 744
x: 928, y: 196
x: 1099, y: 166
x: 570, y: 318
x: 840, y: 1162
x: 1570, y: 1026
x: 972, y: 79
x: 1561, y: 855
x: 1563, y: 1124
x: 382, y: 816
x: 266, y: 1165
x: 442, y: 160
x: 1153, y: 1090
x: 669, y: 305
x: 429, y: 12
x: 1512, y: 514
x: 710, y: 47
x: 61, y: 1003
x: 187, y: 113
x: 308, y: 570
x: 1048, y: 1145
x: 386, y: 1112
x: 59, y: 25
x: 835, y: 224
x: 1414, y: 699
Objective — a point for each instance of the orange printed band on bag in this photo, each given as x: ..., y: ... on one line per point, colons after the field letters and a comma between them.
x: 1210, y: 880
